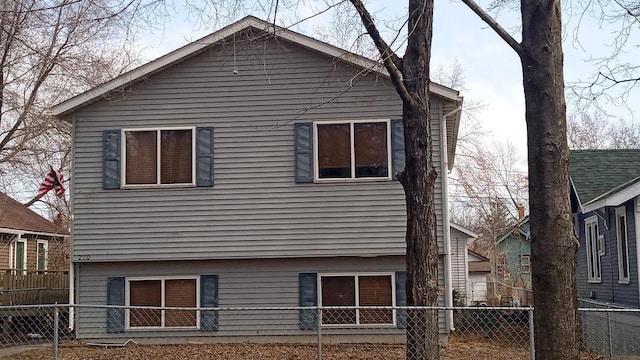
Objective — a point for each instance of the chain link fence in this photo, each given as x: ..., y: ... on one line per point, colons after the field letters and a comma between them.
x: 323, y: 332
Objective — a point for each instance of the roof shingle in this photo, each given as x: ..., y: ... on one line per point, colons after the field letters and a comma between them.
x: 16, y: 216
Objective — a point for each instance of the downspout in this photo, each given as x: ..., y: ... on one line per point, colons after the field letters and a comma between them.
x: 71, y: 223
x: 444, y: 169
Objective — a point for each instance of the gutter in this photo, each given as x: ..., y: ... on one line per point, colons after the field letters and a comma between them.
x: 444, y: 169
x: 22, y: 232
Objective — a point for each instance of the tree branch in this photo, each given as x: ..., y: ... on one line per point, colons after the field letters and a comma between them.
x: 391, y: 61
x: 493, y: 24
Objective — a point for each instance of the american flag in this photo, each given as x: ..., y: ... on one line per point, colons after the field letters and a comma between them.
x: 52, y: 181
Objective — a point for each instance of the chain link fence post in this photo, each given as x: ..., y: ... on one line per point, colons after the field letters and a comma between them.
x: 319, y: 322
x: 610, y: 337
x: 56, y: 326
x: 532, y: 340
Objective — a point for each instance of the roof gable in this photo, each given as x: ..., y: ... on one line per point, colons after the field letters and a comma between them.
x: 520, y: 228
x: 599, y: 174
x: 16, y: 216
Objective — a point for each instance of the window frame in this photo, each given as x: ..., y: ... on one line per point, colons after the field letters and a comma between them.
x: 593, y: 252
x: 525, y: 267
x: 352, y: 178
x: 158, y: 130
x: 162, y: 279
x: 391, y: 275
x: 621, y: 212
x: 13, y: 257
x: 46, y: 254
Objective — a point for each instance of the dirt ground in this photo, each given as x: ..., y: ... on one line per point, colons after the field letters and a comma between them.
x: 452, y: 351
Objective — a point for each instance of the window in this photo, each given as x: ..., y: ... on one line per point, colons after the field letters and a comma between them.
x: 162, y: 293
x: 501, y: 264
x: 19, y: 255
x: 525, y: 264
x: 159, y: 157
x: 42, y: 255
x: 623, y: 245
x: 593, y: 249
x: 357, y: 290
x: 350, y: 150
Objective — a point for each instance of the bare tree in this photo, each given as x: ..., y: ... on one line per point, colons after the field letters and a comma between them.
x: 596, y: 131
x: 552, y: 243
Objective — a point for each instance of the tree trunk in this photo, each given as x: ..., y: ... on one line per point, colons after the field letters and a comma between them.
x: 418, y: 181
x: 552, y: 242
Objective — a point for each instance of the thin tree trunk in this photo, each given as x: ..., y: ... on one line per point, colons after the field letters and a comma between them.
x: 552, y: 244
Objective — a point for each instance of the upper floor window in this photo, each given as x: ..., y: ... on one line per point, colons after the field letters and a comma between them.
x: 352, y: 150
x: 525, y: 264
x: 159, y: 157
x: 594, y: 250
x: 501, y: 264
x: 623, y: 245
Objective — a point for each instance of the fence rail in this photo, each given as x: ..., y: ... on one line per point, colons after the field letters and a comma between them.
x: 33, y: 287
x: 378, y: 331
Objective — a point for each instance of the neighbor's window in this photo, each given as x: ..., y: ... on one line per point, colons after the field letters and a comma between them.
x: 350, y: 150
x: 525, y: 264
x: 158, y: 157
x: 162, y: 293
x: 501, y: 264
x: 19, y: 255
x: 356, y: 290
x: 593, y: 249
x: 623, y: 245
x: 42, y: 255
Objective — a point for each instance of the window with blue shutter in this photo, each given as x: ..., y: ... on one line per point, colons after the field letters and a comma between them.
x: 401, y: 299
x: 111, y: 159
x: 304, y: 152
x: 397, y: 147
x: 308, y: 297
x: 115, y: 296
x: 209, y: 299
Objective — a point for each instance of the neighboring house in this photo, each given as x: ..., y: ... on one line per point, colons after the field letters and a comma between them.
x: 469, y: 270
x: 252, y: 167
x: 479, y: 268
x: 512, y: 267
x: 605, y: 190
x: 29, y: 242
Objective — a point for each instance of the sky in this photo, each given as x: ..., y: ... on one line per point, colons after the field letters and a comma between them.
x: 491, y: 68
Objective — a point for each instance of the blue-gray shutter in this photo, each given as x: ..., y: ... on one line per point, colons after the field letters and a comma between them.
x: 209, y: 299
x: 401, y: 299
x: 204, y: 156
x: 304, y: 152
x: 115, y: 296
x: 308, y: 296
x: 397, y: 147
x: 111, y: 159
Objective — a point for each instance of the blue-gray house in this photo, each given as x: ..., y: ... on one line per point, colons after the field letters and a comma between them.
x: 253, y: 167
x: 605, y: 200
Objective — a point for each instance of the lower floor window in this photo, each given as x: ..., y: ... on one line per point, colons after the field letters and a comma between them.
x: 163, y: 293
x: 356, y: 290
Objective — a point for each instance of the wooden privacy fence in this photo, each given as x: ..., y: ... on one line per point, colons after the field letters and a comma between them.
x: 33, y: 287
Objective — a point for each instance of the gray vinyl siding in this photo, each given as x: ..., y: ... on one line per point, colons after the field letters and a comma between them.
x: 242, y: 283
x: 458, y: 262
x: 255, y: 209
x: 609, y: 290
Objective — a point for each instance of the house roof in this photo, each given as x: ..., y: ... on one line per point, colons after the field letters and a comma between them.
x: 17, y: 218
x: 464, y: 230
x: 604, y: 177
x: 517, y: 226
x: 484, y: 265
x: 139, y: 74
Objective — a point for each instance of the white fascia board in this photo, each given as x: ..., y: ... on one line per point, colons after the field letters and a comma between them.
x: 615, y: 199
x: 27, y: 232
x: 464, y: 230
x: 167, y: 60
x: 573, y: 188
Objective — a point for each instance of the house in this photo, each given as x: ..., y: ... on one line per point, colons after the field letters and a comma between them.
x: 253, y: 167
x: 605, y: 187
x: 33, y: 256
x: 469, y: 269
x: 512, y: 268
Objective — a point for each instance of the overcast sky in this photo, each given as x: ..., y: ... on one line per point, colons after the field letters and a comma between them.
x: 491, y: 67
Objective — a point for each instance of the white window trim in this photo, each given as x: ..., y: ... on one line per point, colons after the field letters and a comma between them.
x: 357, y: 296
x: 621, y: 212
x: 46, y: 254
x: 587, y: 222
x: 12, y: 263
x: 316, y: 170
x: 162, y: 301
x: 123, y: 151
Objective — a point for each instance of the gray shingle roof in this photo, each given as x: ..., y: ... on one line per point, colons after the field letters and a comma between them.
x: 16, y: 216
x: 597, y: 172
